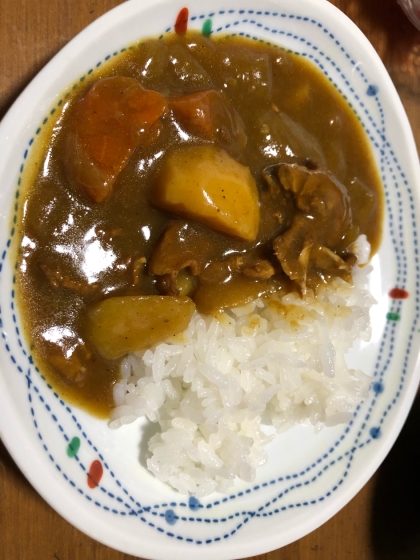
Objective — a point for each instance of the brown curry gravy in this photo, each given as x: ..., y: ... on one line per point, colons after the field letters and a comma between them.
x: 99, y: 243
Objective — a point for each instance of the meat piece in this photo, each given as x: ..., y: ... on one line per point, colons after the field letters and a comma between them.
x: 277, y: 207
x: 219, y: 272
x: 110, y: 235
x: 320, y: 195
x: 110, y: 121
x: 261, y: 270
x: 68, y: 355
x: 210, y: 114
x: 71, y: 366
x: 234, y: 263
x: 182, y: 283
x: 308, y: 247
x: 293, y: 249
x: 328, y: 264
x: 166, y: 284
x: 58, y: 279
x: 181, y: 246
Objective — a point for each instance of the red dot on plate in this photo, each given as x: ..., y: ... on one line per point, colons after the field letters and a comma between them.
x: 95, y: 474
x: 181, y: 24
x: 398, y: 293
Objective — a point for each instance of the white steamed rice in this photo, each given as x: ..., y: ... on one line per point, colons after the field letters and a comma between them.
x: 279, y: 362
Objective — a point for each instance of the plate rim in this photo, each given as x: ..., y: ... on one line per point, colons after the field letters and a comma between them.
x: 7, y: 436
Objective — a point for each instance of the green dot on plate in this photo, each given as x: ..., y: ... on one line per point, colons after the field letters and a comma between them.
x: 206, y: 30
x: 73, y: 447
x: 392, y: 316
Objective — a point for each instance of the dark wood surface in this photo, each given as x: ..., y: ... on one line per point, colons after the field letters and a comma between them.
x: 383, y: 521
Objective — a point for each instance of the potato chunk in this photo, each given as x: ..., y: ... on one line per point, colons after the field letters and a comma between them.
x: 205, y: 184
x: 124, y: 324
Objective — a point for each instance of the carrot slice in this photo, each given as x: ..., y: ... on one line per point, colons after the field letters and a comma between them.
x: 111, y: 120
x: 211, y: 115
x: 197, y: 110
x: 149, y: 106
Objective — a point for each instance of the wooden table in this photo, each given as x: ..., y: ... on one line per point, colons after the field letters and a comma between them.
x: 383, y: 521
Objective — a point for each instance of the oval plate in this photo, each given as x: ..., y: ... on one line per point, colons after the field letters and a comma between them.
x: 309, y: 477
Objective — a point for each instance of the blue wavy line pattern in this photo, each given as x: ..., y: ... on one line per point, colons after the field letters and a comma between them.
x: 177, y: 519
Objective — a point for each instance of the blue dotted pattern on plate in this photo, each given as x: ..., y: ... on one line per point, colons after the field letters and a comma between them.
x: 113, y: 496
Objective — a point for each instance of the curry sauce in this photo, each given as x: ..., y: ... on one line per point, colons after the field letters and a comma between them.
x: 300, y: 147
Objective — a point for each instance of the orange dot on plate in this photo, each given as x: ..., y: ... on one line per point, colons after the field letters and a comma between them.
x: 398, y: 293
x: 181, y: 24
x: 95, y: 474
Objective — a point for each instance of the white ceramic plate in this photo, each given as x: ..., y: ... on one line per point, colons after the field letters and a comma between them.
x: 309, y: 477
